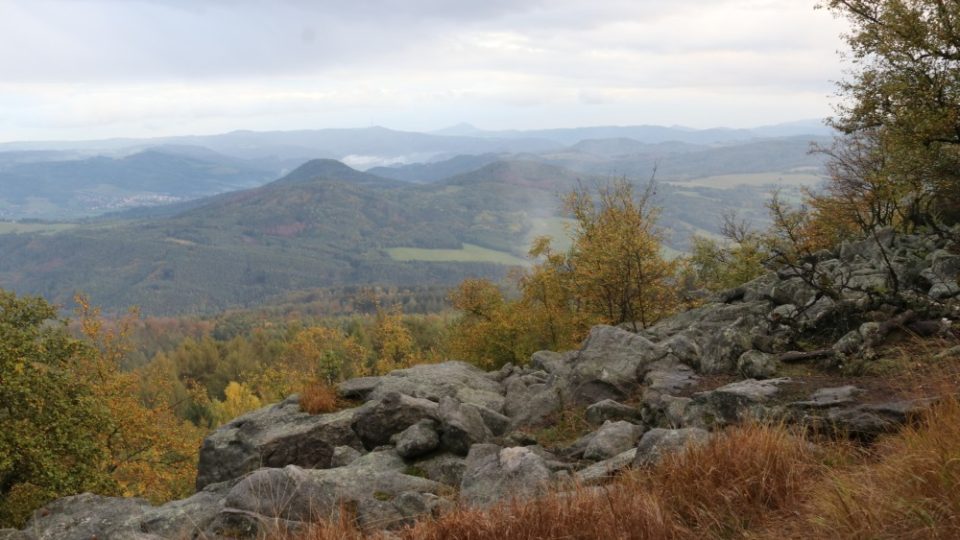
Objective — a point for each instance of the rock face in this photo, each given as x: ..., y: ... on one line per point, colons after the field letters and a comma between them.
x: 274, y: 436
x: 423, y: 437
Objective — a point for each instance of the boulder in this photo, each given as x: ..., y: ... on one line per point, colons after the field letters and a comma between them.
x: 442, y: 467
x: 657, y: 443
x: 274, y: 436
x: 418, y: 439
x: 732, y: 403
x: 530, y: 400
x: 757, y: 365
x: 494, y: 473
x: 86, y: 516
x: 610, y: 365
x: 379, y: 420
x: 611, y: 439
x: 344, y: 455
x: 461, y: 427
x: 465, y: 382
x: 603, y: 471
x: 608, y: 409
x: 283, y: 498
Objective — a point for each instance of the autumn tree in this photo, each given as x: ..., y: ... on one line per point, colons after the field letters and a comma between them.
x: 614, y: 273
x: 48, y: 416
x: 392, y: 342
x: 901, y: 112
x: 616, y: 261
x: 738, y: 257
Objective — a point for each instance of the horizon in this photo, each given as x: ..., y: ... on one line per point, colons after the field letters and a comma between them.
x: 434, y: 131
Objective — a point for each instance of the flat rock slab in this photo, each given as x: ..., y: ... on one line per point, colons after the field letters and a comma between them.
x: 466, y: 383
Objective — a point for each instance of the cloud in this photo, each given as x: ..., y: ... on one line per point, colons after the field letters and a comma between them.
x: 114, y: 65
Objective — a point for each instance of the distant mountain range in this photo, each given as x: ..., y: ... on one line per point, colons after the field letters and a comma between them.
x: 70, y: 180
x: 199, y: 224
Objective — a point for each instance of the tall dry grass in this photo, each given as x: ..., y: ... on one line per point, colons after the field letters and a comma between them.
x: 715, y: 490
x: 911, y: 489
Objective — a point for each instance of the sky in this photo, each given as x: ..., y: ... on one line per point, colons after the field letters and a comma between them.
x: 87, y: 69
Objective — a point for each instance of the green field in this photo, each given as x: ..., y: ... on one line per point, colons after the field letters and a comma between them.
x: 727, y: 181
x: 7, y: 227
x: 468, y: 253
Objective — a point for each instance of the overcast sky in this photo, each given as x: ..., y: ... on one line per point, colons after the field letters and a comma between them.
x: 82, y: 69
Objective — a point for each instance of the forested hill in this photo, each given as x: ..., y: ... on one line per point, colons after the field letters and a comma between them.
x: 324, y: 224
x: 328, y: 225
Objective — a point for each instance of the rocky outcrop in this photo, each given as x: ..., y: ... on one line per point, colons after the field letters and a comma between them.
x: 422, y: 438
x: 275, y: 436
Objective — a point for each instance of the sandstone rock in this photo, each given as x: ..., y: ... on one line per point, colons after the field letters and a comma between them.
x: 274, y: 436
x: 494, y: 473
x: 530, y: 401
x: 86, y: 516
x: 829, y: 397
x: 657, y: 443
x: 443, y: 467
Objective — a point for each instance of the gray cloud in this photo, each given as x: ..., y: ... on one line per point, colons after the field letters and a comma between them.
x: 116, y: 66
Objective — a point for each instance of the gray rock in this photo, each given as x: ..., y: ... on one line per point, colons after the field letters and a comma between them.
x: 379, y: 420
x: 14, y: 534
x: 530, y: 402
x: 732, y: 403
x: 829, y: 397
x: 418, y: 439
x: 461, y: 427
x: 274, y: 436
x: 603, y: 471
x: 459, y: 380
x: 757, y: 365
x: 86, y: 516
x: 369, y: 486
x: 186, y: 518
x: 611, y: 439
x: 494, y: 473
x: 344, y: 455
x: 867, y: 422
x: 608, y: 409
x: 944, y: 290
x: 657, y: 443
x: 610, y: 365
x: 497, y: 423
x: 444, y: 467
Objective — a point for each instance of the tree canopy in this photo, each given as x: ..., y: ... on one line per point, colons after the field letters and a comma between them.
x: 901, y: 108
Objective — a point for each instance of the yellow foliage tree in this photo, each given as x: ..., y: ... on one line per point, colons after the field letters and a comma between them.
x: 616, y: 265
x: 614, y: 273
x: 239, y: 399
x: 392, y: 342
x: 151, y: 452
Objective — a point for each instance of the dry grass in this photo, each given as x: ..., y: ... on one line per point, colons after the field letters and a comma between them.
x: 716, y: 490
x: 912, y: 490
x: 318, y: 397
